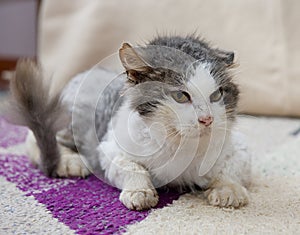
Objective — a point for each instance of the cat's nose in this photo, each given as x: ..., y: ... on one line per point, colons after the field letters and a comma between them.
x: 206, y: 121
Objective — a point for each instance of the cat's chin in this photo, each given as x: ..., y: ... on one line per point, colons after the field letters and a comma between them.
x: 197, y: 133
x: 205, y: 131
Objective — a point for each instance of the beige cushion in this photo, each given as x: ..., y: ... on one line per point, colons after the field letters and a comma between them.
x: 75, y: 35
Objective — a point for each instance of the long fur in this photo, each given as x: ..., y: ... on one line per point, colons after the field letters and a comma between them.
x: 34, y: 107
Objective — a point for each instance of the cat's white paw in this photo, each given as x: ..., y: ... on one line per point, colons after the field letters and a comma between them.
x: 139, y: 199
x: 232, y: 195
x: 71, y: 165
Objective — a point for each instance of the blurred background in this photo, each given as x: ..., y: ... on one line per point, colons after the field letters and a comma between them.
x: 68, y: 37
x: 18, y: 35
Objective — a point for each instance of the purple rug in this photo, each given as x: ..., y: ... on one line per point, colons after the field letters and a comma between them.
x: 87, y: 206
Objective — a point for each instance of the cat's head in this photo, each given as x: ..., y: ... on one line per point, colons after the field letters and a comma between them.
x: 187, y: 96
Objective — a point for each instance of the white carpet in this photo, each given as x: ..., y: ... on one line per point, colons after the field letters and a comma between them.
x: 24, y: 215
x: 275, y: 194
x: 274, y: 209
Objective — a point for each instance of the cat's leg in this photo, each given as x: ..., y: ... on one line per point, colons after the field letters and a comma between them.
x: 70, y: 163
x: 138, y: 192
x: 228, y: 186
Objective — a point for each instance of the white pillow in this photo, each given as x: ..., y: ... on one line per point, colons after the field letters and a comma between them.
x: 75, y: 35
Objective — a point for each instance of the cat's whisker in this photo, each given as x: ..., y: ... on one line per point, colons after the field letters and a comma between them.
x: 224, y: 129
x: 222, y: 124
x: 171, y: 129
x: 246, y: 116
x: 173, y: 136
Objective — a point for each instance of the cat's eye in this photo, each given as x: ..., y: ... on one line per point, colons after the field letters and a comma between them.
x: 216, y: 95
x: 180, y: 96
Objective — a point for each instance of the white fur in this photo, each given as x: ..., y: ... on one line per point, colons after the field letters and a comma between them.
x: 70, y: 163
x: 139, y: 154
x: 32, y: 150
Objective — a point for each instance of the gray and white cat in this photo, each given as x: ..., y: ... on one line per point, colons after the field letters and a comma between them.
x: 166, y: 121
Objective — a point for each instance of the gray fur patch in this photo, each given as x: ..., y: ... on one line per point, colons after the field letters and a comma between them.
x: 195, y: 47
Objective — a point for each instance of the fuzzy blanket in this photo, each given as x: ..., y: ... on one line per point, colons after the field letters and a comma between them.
x: 31, y: 203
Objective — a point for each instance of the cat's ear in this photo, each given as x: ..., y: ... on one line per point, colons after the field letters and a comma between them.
x: 226, y: 56
x: 131, y: 60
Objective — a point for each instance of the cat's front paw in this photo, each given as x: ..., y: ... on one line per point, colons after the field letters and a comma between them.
x: 233, y: 195
x: 139, y: 199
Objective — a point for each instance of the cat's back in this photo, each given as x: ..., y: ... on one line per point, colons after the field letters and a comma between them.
x: 92, y: 97
x: 88, y: 86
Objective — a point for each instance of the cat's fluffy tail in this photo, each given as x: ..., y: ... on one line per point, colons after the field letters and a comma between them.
x: 34, y: 107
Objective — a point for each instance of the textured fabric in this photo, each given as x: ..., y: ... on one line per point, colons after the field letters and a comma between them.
x: 31, y: 203
x: 87, y: 206
x: 73, y: 36
x: 21, y: 214
x: 274, y: 206
x: 269, y: 212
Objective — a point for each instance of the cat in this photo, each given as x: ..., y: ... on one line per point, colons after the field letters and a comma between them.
x: 166, y: 120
